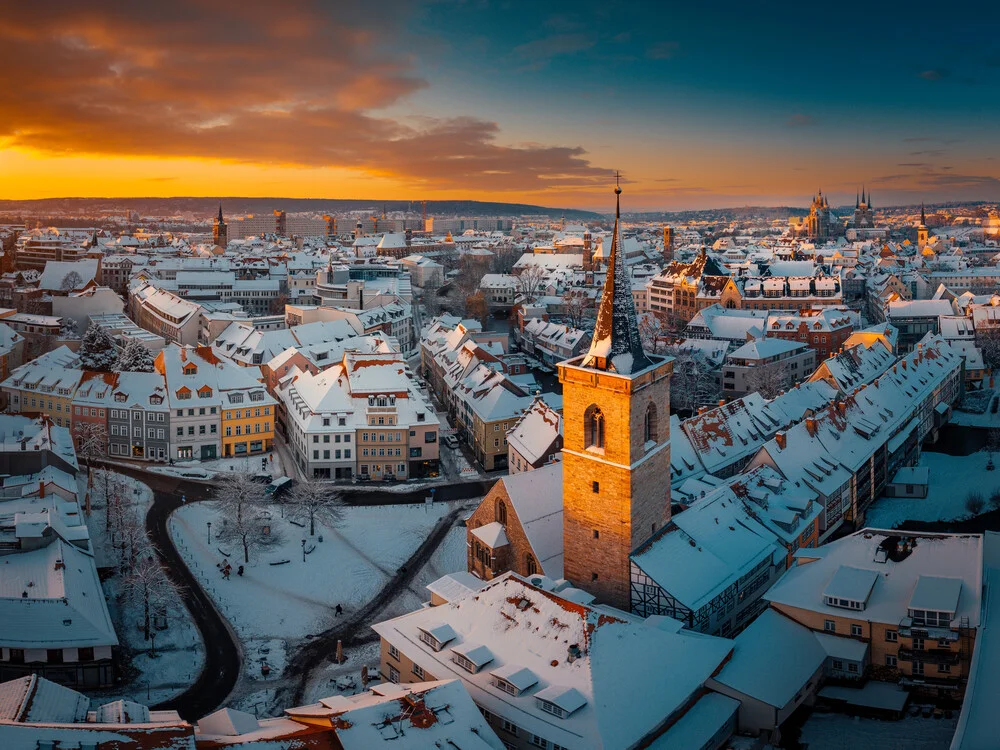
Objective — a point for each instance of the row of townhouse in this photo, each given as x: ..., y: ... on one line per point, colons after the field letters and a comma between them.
x: 164, y: 313
x: 194, y: 406
x: 849, y: 450
x: 364, y: 417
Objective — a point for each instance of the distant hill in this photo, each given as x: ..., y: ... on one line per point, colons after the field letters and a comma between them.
x: 235, y: 206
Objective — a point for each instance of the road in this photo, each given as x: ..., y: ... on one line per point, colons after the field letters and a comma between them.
x: 223, y: 657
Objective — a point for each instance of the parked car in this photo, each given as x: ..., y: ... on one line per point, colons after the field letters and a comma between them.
x: 451, y: 441
x: 279, y: 486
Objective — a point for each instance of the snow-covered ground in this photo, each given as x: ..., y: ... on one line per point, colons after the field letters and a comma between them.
x: 951, y: 480
x: 842, y: 732
x: 289, y: 600
x: 179, y: 650
x: 208, y: 469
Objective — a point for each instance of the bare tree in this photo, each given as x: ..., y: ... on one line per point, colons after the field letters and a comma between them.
x: 767, y: 380
x: 988, y: 340
x: 277, y: 305
x: 529, y: 281
x: 315, y: 501
x: 252, y: 530
x: 91, y: 442
x: 71, y: 281
x: 145, y: 585
x: 476, y: 307
x: 576, y: 308
x: 654, y: 338
x: 505, y: 255
x: 693, y: 383
x: 238, y: 495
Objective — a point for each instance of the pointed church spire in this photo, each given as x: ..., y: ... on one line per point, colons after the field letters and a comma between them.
x: 870, y: 199
x: 923, y: 215
x: 857, y: 199
x: 616, y: 346
x: 220, y: 212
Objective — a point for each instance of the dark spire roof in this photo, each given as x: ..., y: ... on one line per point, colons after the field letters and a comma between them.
x: 616, y: 346
x: 870, y: 199
x: 857, y: 200
x: 923, y: 215
x: 220, y: 212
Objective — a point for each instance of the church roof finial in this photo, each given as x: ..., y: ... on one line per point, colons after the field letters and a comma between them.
x: 617, y: 346
x: 220, y: 212
x: 923, y: 215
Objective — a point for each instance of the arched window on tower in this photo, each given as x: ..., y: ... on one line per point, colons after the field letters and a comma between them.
x: 650, y: 424
x: 501, y: 515
x: 531, y: 565
x: 593, y: 427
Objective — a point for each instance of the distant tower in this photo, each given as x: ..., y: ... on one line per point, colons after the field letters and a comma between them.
x: 220, y: 232
x: 358, y: 230
x: 668, y: 244
x: 616, y: 453
x: 280, y: 223
x: 819, y: 218
x: 331, y: 225
x: 588, y: 253
x: 923, y: 233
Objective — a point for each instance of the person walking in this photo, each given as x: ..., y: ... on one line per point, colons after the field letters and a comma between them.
x: 339, y: 610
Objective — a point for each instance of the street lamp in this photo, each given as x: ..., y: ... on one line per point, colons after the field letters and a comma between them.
x: 209, y: 532
x: 303, y: 550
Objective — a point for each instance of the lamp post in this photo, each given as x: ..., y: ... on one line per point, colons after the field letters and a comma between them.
x: 303, y: 550
x: 209, y: 523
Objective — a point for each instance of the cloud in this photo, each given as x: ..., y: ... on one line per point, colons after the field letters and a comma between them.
x: 663, y: 51
x: 544, y: 49
x: 233, y: 80
x: 930, y: 152
x: 934, y: 74
x: 799, y: 120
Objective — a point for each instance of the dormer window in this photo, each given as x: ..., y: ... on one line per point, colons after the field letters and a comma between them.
x: 438, y: 636
x: 513, y: 679
x: 190, y: 369
x: 155, y: 399
x: 120, y: 398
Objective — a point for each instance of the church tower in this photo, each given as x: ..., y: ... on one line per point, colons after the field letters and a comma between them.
x: 616, y: 450
x: 923, y: 233
x: 220, y: 232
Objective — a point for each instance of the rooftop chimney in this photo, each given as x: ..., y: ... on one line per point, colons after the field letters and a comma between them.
x: 779, y: 438
x: 811, y: 426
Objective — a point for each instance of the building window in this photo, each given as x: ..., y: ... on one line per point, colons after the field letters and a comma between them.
x: 596, y: 486
x: 649, y: 425
x: 393, y: 674
x: 593, y: 425
x: 418, y: 671
x: 539, y: 742
x: 501, y: 516
x: 394, y: 652
x: 852, y: 667
x: 508, y: 727
x: 830, y: 626
x: 85, y: 654
x: 531, y: 566
x: 890, y: 660
x: 944, y: 668
x: 838, y: 665
x: 892, y: 636
x: 856, y: 631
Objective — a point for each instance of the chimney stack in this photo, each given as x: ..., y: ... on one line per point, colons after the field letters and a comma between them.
x: 779, y: 438
x: 811, y: 426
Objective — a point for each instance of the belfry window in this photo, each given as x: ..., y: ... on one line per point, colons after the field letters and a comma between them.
x: 649, y: 424
x: 593, y: 425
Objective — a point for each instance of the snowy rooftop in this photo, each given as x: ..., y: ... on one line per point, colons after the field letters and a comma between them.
x: 957, y: 558
x: 528, y: 629
x: 851, y: 583
x: 538, y: 502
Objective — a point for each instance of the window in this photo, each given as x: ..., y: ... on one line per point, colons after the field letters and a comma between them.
x: 393, y: 652
x: 501, y: 515
x: 393, y: 674
x: 418, y: 671
x: 531, y: 565
x: 596, y: 486
x: 890, y: 660
x: 838, y: 665
x: 650, y: 424
x: 85, y: 654
x: 593, y: 576
x: 830, y: 626
x: 538, y: 741
x: 856, y: 631
x: 597, y: 534
x: 593, y: 426
x: 852, y: 667
x: 508, y: 727
x: 944, y: 668
x: 180, y: 431
x: 892, y: 636
x: 54, y: 656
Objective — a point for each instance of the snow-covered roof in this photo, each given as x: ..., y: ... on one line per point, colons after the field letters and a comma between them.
x: 538, y: 502
x: 956, y: 557
x: 772, y: 660
x: 492, y: 535
x: 529, y: 630
x: 535, y: 432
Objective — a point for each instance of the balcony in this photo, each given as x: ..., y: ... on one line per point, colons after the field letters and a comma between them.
x: 907, y: 629
x: 929, y: 656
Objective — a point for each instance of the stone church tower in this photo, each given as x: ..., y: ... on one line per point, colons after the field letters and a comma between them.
x: 616, y: 450
x: 220, y: 232
x: 923, y: 233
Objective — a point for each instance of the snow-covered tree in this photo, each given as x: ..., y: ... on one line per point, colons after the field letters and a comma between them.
x: 239, y: 495
x: 71, y: 281
x: 145, y: 585
x: 530, y: 281
x: 68, y: 328
x: 576, y: 307
x: 767, y: 380
x: 313, y: 501
x: 97, y: 349
x: 134, y: 358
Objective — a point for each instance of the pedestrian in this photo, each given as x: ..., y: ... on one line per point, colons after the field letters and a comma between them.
x: 339, y: 610
x: 225, y: 572
x: 239, y: 571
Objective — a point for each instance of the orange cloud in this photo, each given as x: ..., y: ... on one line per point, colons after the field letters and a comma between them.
x: 298, y: 84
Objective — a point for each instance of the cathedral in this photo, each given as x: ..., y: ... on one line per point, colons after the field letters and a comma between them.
x: 220, y: 232
x: 616, y: 451
x: 820, y: 224
x: 864, y: 215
